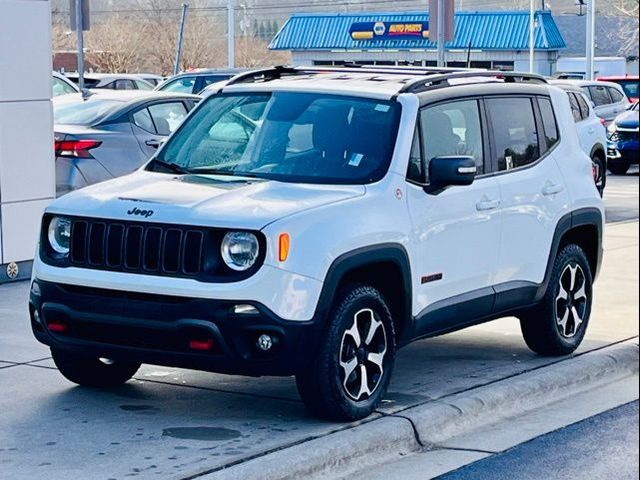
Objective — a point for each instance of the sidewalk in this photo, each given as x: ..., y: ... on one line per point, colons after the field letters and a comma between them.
x: 170, y: 423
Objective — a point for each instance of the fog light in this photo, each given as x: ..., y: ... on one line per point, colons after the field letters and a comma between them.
x: 35, y: 289
x: 245, y: 310
x: 36, y: 317
x: 265, y: 342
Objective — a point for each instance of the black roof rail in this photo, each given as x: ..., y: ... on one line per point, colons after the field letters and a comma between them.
x: 442, y: 80
x: 427, y: 77
x: 274, y: 73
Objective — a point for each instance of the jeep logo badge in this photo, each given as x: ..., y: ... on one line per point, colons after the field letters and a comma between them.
x: 140, y: 213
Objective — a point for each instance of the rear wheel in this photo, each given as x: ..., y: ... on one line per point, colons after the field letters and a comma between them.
x: 619, y: 168
x: 599, y: 173
x: 351, y: 372
x: 558, y: 325
x: 92, y: 371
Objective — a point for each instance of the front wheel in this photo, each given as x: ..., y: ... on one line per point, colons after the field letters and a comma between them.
x: 92, y: 371
x: 558, y: 325
x: 351, y: 371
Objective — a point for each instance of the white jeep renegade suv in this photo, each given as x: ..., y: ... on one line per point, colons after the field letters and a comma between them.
x: 311, y: 221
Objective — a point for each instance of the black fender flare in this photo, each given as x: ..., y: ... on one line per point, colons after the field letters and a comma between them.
x: 581, y: 217
x: 361, y: 257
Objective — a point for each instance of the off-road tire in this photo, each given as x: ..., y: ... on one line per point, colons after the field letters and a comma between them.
x: 541, y: 326
x: 324, y: 385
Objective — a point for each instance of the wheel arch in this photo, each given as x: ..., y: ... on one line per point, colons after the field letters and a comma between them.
x: 385, y: 267
x: 583, y: 227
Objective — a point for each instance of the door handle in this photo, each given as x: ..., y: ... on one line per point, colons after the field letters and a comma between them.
x: 153, y: 143
x: 484, y: 205
x: 552, y: 189
x: 591, y: 130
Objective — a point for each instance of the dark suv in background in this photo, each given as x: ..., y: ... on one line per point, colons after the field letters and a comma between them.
x: 196, y: 81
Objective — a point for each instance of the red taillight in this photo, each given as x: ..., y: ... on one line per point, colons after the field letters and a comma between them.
x: 75, y: 148
x: 201, y: 344
x: 603, y: 122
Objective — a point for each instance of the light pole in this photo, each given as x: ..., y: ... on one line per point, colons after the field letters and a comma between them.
x: 532, y: 36
x: 176, y: 65
x: 231, y: 51
x: 590, y: 38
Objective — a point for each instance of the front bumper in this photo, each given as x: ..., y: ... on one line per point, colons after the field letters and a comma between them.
x: 159, y: 329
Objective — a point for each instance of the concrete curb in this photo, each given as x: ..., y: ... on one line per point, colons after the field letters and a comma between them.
x: 395, y: 435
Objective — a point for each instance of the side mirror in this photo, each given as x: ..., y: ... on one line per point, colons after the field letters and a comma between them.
x: 449, y: 171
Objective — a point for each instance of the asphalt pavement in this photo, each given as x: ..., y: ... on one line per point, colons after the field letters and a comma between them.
x: 602, y: 447
x: 174, y: 423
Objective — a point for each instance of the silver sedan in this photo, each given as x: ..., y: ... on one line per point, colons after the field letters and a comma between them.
x: 111, y: 133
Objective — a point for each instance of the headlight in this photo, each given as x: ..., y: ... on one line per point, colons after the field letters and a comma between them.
x: 239, y: 250
x: 611, y: 128
x: 59, y: 234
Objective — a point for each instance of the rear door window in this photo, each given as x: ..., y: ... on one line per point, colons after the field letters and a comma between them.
x: 514, y: 131
x: 600, y: 95
x: 167, y: 117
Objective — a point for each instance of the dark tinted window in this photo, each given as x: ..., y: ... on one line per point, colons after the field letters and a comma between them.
x: 599, y: 95
x: 452, y: 129
x: 79, y: 112
x: 549, y: 122
x: 585, y: 111
x: 575, y: 107
x: 514, y: 131
x: 415, y: 172
x: 616, y: 96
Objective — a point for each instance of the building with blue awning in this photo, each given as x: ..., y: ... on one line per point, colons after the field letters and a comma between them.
x: 497, y: 40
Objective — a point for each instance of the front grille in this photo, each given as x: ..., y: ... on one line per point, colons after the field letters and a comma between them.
x: 142, y: 248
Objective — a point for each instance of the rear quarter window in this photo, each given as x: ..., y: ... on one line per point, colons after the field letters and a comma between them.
x: 549, y: 124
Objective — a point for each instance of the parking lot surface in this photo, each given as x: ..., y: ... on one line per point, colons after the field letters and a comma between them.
x: 172, y: 423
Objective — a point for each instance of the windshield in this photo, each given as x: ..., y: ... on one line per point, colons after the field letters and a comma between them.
x: 87, y: 112
x: 291, y: 137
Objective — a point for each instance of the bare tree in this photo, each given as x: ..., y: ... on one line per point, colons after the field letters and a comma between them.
x: 116, y: 44
x: 253, y: 52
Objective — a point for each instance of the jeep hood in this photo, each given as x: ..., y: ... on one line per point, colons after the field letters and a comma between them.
x: 228, y: 202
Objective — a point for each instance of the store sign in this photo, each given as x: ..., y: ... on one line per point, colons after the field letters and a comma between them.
x: 388, y: 30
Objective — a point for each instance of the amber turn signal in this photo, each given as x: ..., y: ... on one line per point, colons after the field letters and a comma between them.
x: 283, y: 246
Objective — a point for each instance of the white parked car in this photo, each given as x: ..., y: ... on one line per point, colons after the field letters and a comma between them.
x: 311, y: 221
x: 591, y: 132
x: 608, y: 98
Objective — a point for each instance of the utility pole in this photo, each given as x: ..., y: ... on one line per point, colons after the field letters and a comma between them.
x: 590, y: 38
x: 79, y: 26
x: 441, y: 35
x: 231, y: 50
x: 176, y: 65
x: 532, y: 36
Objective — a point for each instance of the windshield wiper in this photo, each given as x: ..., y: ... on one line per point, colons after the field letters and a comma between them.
x: 228, y: 173
x: 172, y: 167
